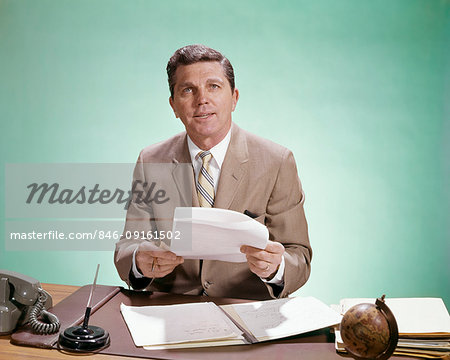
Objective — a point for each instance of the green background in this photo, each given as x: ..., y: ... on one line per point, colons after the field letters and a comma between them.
x: 358, y: 90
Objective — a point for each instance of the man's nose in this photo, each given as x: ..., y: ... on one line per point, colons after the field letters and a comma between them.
x: 202, y: 96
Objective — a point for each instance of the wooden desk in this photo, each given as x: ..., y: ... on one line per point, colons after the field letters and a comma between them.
x: 12, y: 352
x: 312, y: 346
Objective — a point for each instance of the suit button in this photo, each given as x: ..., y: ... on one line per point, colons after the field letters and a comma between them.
x: 207, y: 284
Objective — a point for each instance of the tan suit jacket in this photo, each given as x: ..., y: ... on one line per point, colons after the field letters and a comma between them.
x: 257, y: 175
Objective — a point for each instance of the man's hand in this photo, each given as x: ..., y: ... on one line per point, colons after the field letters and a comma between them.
x: 156, y: 264
x: 264, y: 263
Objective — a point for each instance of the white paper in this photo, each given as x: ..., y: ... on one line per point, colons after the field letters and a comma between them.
x: 273, y: 319
x: 413, y: 315
x: 169, y: 324
x: 215, y: 234
x: 189, y: 345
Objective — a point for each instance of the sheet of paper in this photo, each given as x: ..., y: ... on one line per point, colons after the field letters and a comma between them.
x: 413, y: 315
x: 215, y: 234
x: 198, y: 344
x: 338, y: 342
x: 169, y: 324
x: 273, y: 319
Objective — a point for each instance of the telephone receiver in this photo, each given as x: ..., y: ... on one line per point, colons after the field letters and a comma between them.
x: 22, y: 301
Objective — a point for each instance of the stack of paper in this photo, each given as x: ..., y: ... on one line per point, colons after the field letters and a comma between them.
x: 423, y: 325
x: 206, y: 324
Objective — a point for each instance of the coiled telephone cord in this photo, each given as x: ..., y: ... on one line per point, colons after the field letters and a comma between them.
x: 49, y: 323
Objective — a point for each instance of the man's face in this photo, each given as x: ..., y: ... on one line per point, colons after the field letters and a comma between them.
x: 203, y: 100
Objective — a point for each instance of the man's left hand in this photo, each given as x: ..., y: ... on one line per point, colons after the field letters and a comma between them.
x: 264, y: 263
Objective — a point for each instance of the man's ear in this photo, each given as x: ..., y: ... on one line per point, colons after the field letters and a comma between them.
x: 172, y: 105
x: 235, y: 99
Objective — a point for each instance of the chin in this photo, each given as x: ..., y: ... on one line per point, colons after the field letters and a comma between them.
x: 206, y: 130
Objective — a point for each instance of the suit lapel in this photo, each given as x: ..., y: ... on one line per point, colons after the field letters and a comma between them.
x: 184, y: 179
x: 234, y: 169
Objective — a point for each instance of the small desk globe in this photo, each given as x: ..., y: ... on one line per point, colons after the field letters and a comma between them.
x: 369, y: 331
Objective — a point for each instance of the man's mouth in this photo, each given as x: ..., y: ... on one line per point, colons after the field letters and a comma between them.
x: 203, y: 115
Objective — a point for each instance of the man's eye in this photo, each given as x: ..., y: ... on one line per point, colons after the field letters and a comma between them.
x: 187, y: 90
x: 214, y: 86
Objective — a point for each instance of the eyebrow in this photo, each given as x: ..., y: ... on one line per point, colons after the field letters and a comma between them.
x: 214, y: 79
x: 209, y: 80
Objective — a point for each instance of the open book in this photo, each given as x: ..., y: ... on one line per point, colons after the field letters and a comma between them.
x: 416, y: 317
x: 206, y: 324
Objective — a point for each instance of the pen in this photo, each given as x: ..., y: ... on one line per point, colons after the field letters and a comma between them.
x: 153, y: 268
x: 248, y: 213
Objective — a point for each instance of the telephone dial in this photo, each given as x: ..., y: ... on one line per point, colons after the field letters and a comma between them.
x: 22, y: 300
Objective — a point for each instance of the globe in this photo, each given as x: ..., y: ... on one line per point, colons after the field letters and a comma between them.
x: 369, y: 331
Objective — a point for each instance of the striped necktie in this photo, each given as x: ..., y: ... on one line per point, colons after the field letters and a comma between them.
x: 205, y: 183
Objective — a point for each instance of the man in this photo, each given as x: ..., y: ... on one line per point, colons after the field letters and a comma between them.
x: 232, y: 169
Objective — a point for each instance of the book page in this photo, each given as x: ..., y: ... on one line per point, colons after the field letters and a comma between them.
x: 413, y: 315
x: 170, y: 324
x: 274, y: 319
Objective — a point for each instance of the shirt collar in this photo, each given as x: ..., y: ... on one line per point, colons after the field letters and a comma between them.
x: 218, y: 152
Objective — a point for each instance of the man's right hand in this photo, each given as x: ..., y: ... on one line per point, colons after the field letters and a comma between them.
x: 162, y: 262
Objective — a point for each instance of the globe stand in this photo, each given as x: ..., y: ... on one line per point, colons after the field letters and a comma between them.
x: 393, y: 328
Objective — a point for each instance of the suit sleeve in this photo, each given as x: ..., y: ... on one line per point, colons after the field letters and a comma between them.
x: 286, y: 222
x: 139, y: 219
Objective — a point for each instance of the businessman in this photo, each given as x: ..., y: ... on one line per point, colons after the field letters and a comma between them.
x: 230, y: 168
